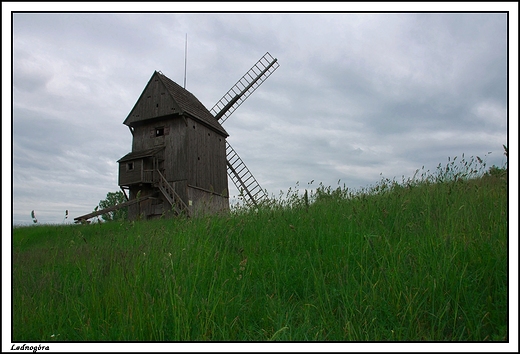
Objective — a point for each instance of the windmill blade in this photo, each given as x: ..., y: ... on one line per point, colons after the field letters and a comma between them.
x: 244, y: 87
x: 243, y: 178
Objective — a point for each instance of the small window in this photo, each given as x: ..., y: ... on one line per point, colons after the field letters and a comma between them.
x: 159, y: 131
x: 130, y: 166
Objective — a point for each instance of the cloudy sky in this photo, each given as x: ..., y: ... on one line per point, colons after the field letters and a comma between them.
x: 356, y: 95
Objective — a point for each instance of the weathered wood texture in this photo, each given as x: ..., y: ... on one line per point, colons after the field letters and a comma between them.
x: 206, y: 158
x: 204, y: 202
x: 155, y: 101
x: 137, y: 167
x: 163, y: 97
x: 175, y: 134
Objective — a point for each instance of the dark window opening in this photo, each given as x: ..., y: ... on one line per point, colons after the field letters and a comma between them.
x: 159, y: 131
x: 130, y: 166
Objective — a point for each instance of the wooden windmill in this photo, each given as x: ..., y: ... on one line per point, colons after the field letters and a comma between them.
x: 180, y: 157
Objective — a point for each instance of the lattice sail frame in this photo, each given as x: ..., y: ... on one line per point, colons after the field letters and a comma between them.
x: 244, y: 87
x: 237, y: 170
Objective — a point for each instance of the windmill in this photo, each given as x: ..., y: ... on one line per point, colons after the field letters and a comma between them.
x: 237, y: 170
x: 180, y: 158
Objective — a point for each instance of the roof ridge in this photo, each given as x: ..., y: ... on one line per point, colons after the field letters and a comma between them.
x: 189, y: 103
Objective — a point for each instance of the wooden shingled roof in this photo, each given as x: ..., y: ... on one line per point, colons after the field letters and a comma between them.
x: 184, y: 102
x: 140, y: 154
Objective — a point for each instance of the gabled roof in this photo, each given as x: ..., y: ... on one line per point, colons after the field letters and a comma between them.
x: 182, y: 102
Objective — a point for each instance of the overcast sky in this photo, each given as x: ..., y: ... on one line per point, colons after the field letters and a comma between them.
x: 356, y: 96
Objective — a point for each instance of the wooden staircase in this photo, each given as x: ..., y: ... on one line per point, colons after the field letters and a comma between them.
x: 177, y: 204
x: 173, y: 198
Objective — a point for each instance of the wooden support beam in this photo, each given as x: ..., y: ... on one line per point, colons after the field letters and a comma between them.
x: 124, y: 193
x: 106, y: 210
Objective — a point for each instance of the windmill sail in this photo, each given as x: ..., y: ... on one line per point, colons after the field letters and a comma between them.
x: 244, y: 87
x: 237, y: 170
x: 242, y: 178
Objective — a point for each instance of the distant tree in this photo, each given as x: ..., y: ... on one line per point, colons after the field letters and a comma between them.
x: 112, y: 199
x: 496, y: 171
x: 499, y: 171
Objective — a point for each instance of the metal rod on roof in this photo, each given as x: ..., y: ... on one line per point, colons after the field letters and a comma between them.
x: 185, y: 58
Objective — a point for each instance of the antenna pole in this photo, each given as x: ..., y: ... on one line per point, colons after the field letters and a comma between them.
x: 185, y: 58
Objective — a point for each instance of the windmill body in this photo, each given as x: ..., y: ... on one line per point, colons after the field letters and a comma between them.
x: 178, y: 158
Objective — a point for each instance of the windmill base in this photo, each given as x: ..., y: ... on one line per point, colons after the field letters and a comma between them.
x: 199, y: 202
x: 202, y: 202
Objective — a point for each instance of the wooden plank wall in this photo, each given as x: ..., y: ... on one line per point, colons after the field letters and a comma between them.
x: 175, y: 163
x: 129, y: 177
x: 155, y: 101
x: 146, y: 207
x: 206, y: 203
x: 206, y: 158
x: 174, y: 140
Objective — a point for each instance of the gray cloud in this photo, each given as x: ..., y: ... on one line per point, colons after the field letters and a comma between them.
x: 356, y: 95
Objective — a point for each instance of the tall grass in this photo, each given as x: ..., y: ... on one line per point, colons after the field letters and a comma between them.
x: 422, y: 259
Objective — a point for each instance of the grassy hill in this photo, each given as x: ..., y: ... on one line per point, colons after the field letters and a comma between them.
x: 423, y: 259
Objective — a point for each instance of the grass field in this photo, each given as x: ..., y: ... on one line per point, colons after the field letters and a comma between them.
x: 422, y: 259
